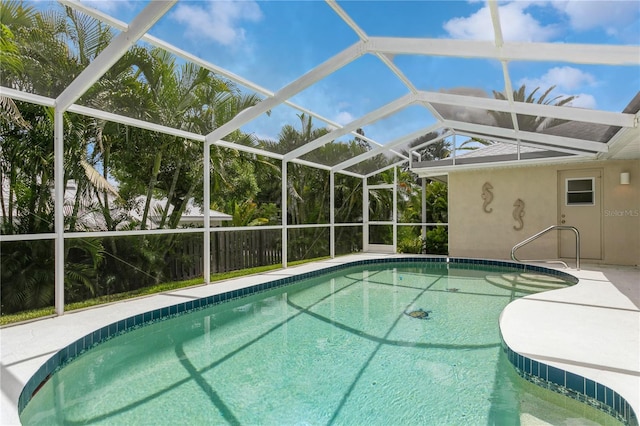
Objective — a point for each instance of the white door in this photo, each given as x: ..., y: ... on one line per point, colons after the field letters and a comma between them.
x: 580, y: 205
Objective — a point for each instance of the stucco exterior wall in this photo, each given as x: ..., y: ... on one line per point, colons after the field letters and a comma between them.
x: 474, y: 233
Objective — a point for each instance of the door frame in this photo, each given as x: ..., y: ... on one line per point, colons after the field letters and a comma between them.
x: 367, y: 246
x: 597, y: 175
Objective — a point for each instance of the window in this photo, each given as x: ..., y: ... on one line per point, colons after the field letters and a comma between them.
x: 580, y: 192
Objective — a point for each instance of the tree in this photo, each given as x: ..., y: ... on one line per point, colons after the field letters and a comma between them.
x: 26, y: 158
x: 530, y: 123
x: 306, y: 186
x: 11, y: 61
x: 434, y: 151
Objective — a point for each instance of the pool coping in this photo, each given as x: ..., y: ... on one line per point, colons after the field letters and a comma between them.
x: 32, y: 371
x: 590, y: 348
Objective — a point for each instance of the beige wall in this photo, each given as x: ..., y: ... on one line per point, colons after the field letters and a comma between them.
x: 474, y: 233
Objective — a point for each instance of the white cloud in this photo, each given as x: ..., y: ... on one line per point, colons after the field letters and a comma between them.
x: 218, y: 20
x: 583, y: 100
x: 110, y: 6
x: 568, y: 81
x: 516, y: 24
x: 609, y: 15
x: 564, y: 78
x: 343, y: 118
x: 265, y: 136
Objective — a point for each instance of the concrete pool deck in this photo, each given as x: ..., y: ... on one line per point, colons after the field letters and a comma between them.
x: 591, y: 329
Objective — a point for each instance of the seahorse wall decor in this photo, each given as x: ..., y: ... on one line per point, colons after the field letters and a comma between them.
x: 487, y: 196
x: 518, y: 214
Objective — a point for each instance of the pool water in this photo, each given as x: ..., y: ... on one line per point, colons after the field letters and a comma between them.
x: 341, y: 348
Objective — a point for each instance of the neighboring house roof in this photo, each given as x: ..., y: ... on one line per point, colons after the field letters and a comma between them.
x: 495, y: 152
x: 91, y: 218
x: 512, y: 152
x: 192, y: 214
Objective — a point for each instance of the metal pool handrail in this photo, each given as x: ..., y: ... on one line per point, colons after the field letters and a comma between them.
x: 541, y: 233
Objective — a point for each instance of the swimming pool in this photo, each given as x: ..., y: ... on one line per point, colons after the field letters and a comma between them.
x: 339, y: 348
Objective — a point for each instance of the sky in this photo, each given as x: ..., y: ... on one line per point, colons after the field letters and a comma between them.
x: 272, y: 43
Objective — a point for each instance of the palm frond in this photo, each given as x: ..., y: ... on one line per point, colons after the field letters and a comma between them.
x: 97, y: 180
x: 9, y: 111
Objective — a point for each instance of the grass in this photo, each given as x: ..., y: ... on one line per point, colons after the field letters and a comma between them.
x: 145, y: 291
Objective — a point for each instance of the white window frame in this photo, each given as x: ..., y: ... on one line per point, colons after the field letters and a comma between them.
x: 566, y: 192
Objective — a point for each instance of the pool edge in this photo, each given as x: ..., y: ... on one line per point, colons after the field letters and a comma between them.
x: 68, y: 353
x: 567, y: 383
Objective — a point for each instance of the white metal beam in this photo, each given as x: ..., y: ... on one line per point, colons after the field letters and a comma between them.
x: 365, y: 215
x: 626, y: 140
x: 154, y: 41
x: 128, y: 121
x: 527, y: 108
x: 58, y: 200
x: 527, y: 144
x: 385, y: 58
x: 114, y: 51
x: 159, y: 43
x: 116, y: 118
x: 371, y: 117
x: 351, y: 174
x: 311, y: 164
x: 318, y: 73
x: 205, y: 64
x: 395, y: 210
x: 499, y: 42
x: 495, y: 21
x: 26, y: 97
x: 559, y: 141
x: 248, y: 149
x: 510, y: 51
x: 379, y: 150
x: 332, y: 215
x: 384, y: 169
x: 347, y: 19
x: 443, y: 170
x: 439, y: 138
x: 423, y: 206
x: 284, y: 209
x: 27, y: 237
x: 206, y: 188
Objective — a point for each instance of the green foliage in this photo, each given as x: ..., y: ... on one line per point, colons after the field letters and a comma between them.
x: 31, y: 314
x: 27, y: 275
x: 435, y: 149
x: 45, y: 51
x: 246, y: 214
x: 408, y: 242
x: 437, y: 202
x: 436, y: 241
x: 348, y: 199
x: 9, y: 53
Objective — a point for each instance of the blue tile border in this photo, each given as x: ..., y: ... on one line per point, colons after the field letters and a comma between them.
x: 572, y: 385
x: 66, y: 355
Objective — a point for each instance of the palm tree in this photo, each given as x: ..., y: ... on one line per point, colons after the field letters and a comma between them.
x: 186, y: 97
x: 26, y: 157
x: 303, y: 203
x: 434, y: 151
x: 526, y: 123
x: 530, y: 123
x: 10, y: 61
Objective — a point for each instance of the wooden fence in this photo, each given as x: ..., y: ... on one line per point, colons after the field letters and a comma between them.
x: 230, y: 251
